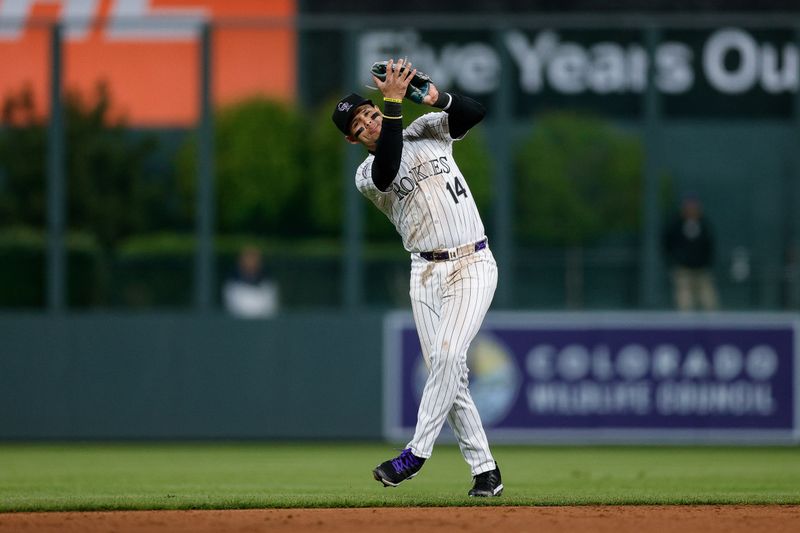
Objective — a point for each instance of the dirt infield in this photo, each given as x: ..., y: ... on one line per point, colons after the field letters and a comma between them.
x: 612, y: 519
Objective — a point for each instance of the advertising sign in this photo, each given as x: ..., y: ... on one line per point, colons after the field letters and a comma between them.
x: 726, y: 71
x: 617, y: 378
x: 147, y: 52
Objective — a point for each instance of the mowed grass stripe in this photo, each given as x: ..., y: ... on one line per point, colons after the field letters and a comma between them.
x: 50, y: 477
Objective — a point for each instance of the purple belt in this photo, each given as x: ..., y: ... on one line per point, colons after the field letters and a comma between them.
x: 454, y: 253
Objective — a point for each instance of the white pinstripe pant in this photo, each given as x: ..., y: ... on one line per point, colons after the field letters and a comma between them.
x: 449, y: 300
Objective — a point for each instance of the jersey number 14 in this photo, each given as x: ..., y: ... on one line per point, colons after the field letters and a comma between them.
x: 456, y: 190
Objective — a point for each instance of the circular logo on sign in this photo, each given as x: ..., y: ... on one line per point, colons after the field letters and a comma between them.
x: 494, y: 378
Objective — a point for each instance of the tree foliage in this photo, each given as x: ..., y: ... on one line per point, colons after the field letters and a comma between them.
x: 326, y: 183
x: 111, y: 192
x: 260, y: 159
x: 578, y: 178
x: 22, y: 161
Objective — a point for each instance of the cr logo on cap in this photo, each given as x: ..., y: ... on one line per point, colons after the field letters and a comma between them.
x: 344, y: 106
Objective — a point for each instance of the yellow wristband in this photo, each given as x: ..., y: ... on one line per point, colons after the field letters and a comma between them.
x: 395, y: 100
x: 387, y: 116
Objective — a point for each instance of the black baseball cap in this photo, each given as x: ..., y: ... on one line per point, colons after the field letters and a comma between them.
x: 346, y: 108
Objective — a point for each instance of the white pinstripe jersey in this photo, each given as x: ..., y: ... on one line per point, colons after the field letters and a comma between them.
x: 429, y: 201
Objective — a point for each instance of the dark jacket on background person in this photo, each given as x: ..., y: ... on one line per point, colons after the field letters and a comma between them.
x: 689, y: 243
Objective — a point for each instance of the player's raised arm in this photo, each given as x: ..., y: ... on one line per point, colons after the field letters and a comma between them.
x: 464, y: 111
x: 389, y: 147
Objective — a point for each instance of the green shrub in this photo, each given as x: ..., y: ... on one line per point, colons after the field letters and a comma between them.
x: 325, y: 182
x: 578, y: 178
x: 23, y: 257
x: 111, y: 188
x: 259, y: 158
x: 111, y: 192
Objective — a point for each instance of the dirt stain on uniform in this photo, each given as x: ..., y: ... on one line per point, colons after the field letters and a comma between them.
x: 426, y: 274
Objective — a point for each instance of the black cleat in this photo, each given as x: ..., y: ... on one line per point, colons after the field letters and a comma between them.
x: 487, y: 484
x: 403, y: 467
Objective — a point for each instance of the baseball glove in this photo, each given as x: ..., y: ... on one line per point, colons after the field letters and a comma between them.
x: 418, y: 87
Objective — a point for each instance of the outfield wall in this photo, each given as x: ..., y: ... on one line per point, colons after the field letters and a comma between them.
x: 556, y: 377
x: 179, y: 376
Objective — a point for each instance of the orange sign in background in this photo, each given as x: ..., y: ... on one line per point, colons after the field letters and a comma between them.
x: 148, y: 51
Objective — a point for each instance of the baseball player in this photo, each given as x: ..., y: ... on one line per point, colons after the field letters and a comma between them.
x: 411, y: 176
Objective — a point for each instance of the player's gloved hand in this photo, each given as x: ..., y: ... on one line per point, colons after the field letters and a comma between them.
x: 433, y: 95
x: 396, y: 79
x: 418, y: 87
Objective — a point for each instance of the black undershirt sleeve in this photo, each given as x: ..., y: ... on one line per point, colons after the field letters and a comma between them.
x: 389, y: 148
x: 464, y: 113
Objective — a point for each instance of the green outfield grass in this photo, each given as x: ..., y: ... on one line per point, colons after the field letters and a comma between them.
x: 49, y: 477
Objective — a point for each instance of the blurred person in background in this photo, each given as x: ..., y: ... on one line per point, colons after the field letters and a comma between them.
x: 689, y: 248
x: 248, y: 292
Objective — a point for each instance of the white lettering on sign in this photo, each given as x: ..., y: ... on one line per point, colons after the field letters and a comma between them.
x: 135, y: 20
x: 728, y: 362
x: 696, y: 365
x: 529, y: 57
x: 674, y: 74
x: 589, y: 398
x: 736, y: 80
x: 577, y: 379
x: 76, y: 14
x: 666, y: 361
x: 733, y: 62
x: 631, y: 362
x: 608, y: 74
x: 762, y: 362
x: 602, y: 68
x: 573, y: 362
x: 539, y: 362
x: 567, y: 70
x: 737, y: 398
x: 755, y: 64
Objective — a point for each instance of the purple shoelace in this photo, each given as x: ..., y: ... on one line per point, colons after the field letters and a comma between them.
x: 405, y: 461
